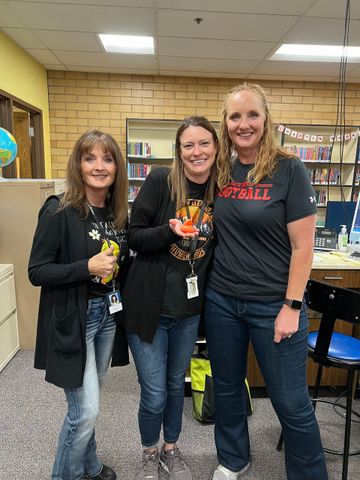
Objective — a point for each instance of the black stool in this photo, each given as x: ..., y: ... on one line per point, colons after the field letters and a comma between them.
x: 329, y: 348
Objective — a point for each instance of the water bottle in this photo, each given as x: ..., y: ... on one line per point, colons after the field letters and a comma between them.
x: 343, y: 239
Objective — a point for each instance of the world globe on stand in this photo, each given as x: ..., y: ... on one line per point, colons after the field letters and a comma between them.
x: 8, y: 148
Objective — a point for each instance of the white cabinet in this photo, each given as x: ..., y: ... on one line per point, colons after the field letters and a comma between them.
x: 9, y: 335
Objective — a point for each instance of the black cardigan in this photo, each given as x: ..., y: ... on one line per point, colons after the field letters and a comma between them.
x: 150, y: 236
x: 58, y: 264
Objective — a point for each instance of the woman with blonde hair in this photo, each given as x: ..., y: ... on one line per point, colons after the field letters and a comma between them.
x: 79, y: 258
x: 265, y: 215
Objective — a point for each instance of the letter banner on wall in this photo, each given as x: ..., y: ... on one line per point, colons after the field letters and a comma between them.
x: 314, y: 138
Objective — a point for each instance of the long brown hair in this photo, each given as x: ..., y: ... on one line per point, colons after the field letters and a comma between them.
x: 268, y: 151
x: 177, y: 178
x: 117, y: 197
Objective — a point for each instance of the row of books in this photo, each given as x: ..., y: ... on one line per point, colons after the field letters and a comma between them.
x: 329, y: 176
x: 139, y: 170
x: 139, y: 149
x: 320, y: 198
x: 318, y: 153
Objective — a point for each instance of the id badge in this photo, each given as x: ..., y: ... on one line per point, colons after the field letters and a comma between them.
x: 114, y: 301
x: 192, y: 286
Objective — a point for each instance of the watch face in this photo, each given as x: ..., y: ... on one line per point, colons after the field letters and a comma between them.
x: 296, y: 304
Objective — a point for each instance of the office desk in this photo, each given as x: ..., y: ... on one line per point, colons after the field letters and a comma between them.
x: 336, y: 269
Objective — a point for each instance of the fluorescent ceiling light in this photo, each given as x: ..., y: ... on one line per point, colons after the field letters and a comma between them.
x: 127, y: 44
x: 316, y: 53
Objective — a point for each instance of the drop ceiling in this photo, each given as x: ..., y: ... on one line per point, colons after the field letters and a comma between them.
x: 229, y: 39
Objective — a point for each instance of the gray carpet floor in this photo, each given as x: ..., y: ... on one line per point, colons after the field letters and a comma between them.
x: 31, y: 412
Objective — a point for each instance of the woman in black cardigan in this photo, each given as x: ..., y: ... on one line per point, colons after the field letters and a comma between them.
x: 165, y: 288
x: 79, y: 258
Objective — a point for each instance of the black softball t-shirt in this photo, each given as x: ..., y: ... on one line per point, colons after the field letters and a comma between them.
x: 252, y: 253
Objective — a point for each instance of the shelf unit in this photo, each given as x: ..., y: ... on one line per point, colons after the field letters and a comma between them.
x: 149, y: 143
x: 332, y: 179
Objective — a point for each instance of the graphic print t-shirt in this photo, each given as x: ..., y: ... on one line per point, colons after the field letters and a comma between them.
x: 175, y: 302
x: 252, y: 254
x: 97, y: 235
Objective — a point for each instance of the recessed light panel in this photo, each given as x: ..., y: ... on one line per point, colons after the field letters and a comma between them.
x: 127, y: 44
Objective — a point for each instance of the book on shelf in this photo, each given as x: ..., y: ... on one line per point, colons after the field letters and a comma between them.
x: 139, y: 149
x: 139, y: 170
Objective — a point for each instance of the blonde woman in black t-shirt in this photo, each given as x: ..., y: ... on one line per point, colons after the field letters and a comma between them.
x: 265, y: 215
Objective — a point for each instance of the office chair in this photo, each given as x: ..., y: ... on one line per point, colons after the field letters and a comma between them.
x: 329, y: 348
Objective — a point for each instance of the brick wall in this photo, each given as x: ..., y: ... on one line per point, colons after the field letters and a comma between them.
x: 79, y: 101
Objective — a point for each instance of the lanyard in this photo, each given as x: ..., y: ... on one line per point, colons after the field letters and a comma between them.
x: 103, y: 231
x: 194, y: 241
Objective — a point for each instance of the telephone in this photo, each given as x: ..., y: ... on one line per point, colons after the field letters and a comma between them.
x: 325, y: 239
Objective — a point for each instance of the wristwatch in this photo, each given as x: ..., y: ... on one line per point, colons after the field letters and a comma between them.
x: 295, y: 304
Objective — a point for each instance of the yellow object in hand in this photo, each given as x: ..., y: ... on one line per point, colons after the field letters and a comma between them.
x: 104, y: 248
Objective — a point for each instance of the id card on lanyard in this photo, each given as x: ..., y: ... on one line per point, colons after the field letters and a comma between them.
x: 113, y: 298
x: 192, y: 286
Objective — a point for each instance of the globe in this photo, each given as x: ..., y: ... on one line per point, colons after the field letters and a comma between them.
x: 8, y: 148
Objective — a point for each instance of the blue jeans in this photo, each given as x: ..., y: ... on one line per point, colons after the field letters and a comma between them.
x: 76, y: 451
x: 230, y: 323
x: 161, y: 367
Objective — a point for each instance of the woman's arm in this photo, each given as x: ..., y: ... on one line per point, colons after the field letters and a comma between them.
x: 301, y: 233
x: 144, y: 236
x: 44, y: 267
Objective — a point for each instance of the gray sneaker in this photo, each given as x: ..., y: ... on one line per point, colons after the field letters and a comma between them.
x: 222, y: 473
x: 150, y: 466
x: 173, y: 463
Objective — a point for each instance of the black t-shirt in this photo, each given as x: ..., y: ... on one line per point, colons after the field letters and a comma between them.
x: 98, y: 232
x: 252, y: 254
x: 175, y: 302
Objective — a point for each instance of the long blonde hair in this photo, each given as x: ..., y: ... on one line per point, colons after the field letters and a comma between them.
x: 75, y: 195
x: 177, y: 178
x: 268, y: 151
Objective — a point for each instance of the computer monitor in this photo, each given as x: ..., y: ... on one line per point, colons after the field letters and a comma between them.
x: 339, y: 213
x: 354, y: 236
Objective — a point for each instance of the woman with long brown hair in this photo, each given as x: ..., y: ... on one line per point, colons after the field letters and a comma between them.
x: 79, y: 258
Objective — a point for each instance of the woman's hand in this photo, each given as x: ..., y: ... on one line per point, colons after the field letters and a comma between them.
x: 286, y: 323
x: 175, y: 225
x: 102, y: 264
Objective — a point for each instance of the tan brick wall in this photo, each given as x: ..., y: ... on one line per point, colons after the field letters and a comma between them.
x: 79, y: 101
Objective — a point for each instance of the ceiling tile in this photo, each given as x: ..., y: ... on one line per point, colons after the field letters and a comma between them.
x: 208, y: 48
x: 326, y: 31
x: 106, y: 59
x: 43, y: 56
x: 296, y: 68
x: 86, y: 18
x: 240, y: 6
x: 8, y: 18
x: 57, y: 40
x: 23, y: 36
x: 135, y: 71
x: 206, y: 65
x: 118, y: 3
x: 226, y: 26
x: 334, y: 9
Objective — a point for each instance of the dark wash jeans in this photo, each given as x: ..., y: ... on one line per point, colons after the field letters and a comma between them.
x: 161, y: 367
x: 230, y: 323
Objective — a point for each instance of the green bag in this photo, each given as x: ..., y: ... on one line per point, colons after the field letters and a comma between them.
x: 202, y: 389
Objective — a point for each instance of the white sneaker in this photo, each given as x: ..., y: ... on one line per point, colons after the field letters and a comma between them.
x: 222, y: 473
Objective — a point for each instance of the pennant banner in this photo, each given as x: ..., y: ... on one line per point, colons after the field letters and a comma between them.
x: 310, y: 137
